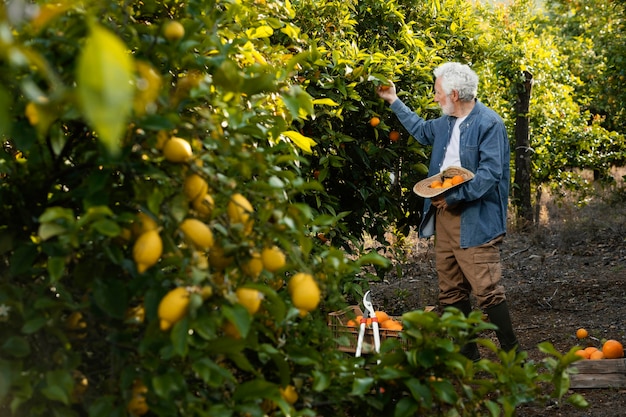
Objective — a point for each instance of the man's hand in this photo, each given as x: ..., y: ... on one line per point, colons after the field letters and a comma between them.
x: 439, y: 202
x: 387, y: 92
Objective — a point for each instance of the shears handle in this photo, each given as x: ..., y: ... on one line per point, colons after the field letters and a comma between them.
x: 376, y: 334
x: 359, y: 343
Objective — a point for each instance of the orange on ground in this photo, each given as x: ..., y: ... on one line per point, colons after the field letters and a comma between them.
x: 374, y: 121
x: 581, y: 333
x: 613, y: 349
x: 394, y: 135
x: 596, y: 355
x: 457, y: 179
x: 382, y: 316
x: 436, y: 184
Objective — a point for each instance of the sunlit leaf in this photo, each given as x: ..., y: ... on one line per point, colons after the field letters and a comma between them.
x: 303, y: 142
x: 104, y: 83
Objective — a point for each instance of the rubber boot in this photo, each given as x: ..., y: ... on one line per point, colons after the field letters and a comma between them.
x: 499, y: 315
x: 470, y: 350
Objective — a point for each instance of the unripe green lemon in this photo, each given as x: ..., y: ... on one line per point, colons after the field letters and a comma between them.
x: 177, y: 150
x: 173, y: 307
x: 198, y: 233
x: 147, y: 250
x: 273, y: 258
x: 249, y: 298
x: 195, y: 186
x: 305, y: 293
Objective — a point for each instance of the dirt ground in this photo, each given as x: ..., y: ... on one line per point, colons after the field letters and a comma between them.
x: 567, y: 272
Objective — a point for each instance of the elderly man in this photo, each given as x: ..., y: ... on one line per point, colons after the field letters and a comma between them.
x: 469, y: 221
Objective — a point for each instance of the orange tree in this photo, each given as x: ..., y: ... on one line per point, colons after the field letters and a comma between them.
x: 159, y: 255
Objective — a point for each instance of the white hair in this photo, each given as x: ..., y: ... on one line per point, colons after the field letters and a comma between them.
x: 459, y: 77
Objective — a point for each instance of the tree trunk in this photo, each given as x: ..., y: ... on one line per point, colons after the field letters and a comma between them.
x: 523, y: 151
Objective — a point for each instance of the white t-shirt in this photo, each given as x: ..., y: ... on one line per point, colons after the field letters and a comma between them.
x: 453, y: 156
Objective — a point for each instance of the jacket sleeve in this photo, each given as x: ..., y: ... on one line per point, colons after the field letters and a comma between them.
x: 419, y: 128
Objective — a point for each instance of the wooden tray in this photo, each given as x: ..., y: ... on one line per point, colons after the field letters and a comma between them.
x: 602, y: 373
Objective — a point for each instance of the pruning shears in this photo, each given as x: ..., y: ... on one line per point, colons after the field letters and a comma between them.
x: 368, y: 314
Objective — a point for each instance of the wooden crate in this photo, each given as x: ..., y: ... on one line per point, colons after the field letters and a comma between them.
x: 337, y: 321
x: 347, y: 336
x: 602, y: 373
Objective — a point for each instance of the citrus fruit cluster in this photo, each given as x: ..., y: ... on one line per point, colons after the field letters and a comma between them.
x: 447, y: 182
x: 385, y: 321
x: 610, y: 349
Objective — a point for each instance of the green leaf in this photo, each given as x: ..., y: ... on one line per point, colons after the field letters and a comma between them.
x: 104, y: 84
x: 111, y: 296
x: 166, y: 384
x: 58, y: 386
x: 16, y: 346
x: 48, y: 230
x: 107, y: 227
x: 179, y: 337
x: 254, y: 389
x: 56, y: 267
x: 361, y: 386
x: 105, y: 407
x: 419, y: 391
x: 406, y: 407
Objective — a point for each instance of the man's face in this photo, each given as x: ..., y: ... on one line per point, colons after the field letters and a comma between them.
x: 444, y: 101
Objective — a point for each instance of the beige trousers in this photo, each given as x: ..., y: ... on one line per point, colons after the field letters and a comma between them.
x: 475, y: 270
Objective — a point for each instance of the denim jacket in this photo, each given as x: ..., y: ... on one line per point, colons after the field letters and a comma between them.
x: 484, y: 150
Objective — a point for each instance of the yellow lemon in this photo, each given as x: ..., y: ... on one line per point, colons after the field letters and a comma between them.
x: 254, y: 266
x: 177, y: 150
x: 273, y: 258
x: 198, y: 233
x: 218, y: 259
x: 143, y: 223
x: 173, y: 307
x: 305, y: 293
x: 135, y: 315
x: 137, y: 406
x: 206, y: 292
x: 289, y: 394
x: 203, y: 205
x: 147, y: 250
x: 173, y: 31
x: 249, y: 298
x: 32, y: 113
x: 195, y: 186
x: 75, y: 321
x: 239, y: 210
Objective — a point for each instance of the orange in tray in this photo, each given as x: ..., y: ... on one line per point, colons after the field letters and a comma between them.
x: 436, y: 184
x: 391, y: 325
x: 457, y: 179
